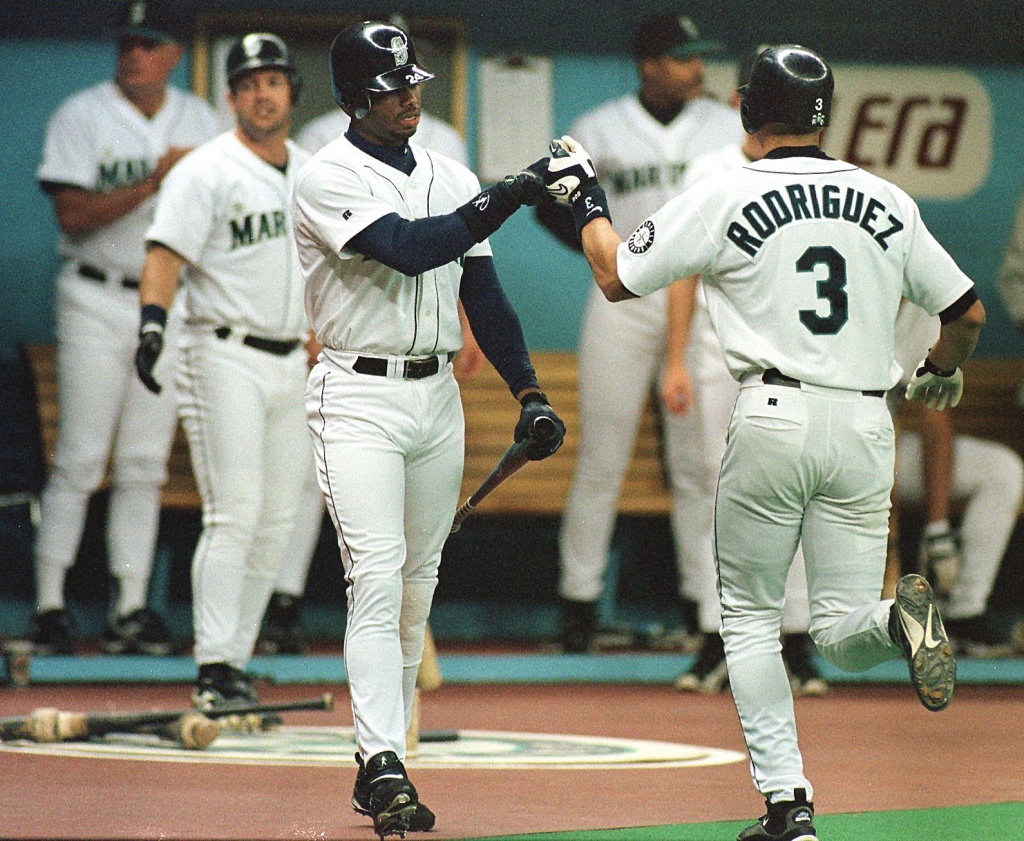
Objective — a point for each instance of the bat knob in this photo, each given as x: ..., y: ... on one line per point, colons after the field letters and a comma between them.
x: 543, y: 429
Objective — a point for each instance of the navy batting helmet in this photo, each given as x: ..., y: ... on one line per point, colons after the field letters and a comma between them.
x: 259, y: 50
x: 372, y: 57
x: 790, y: 85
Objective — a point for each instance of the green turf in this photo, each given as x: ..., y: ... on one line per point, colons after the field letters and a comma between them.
x: 959, y: 823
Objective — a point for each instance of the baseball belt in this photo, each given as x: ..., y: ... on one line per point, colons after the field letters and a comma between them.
x: 412, y: 369
x: 773, y: 376
x: 92, y: 273
x: 278, y: 347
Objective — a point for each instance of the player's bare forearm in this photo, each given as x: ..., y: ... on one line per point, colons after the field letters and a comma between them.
x: 958, y: 339
x: 81, y: 211
x: 600, y: 243
x: 159, y: 282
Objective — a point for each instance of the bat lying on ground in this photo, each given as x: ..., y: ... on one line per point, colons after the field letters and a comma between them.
x: 511, y: 461
x: 191, y: 729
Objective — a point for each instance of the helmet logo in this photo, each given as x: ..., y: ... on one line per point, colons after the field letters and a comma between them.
x: 251, y: 45
x: 689, y: 27
x: 818, y: 119
x: 400, y: 49
x: 137, y: 13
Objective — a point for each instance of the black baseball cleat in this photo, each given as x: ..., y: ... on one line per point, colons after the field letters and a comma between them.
x: 786, y: 820
x: 391, y: 799
x: 221, y: 686
x: 709, y: 675
x: 915, y: 625
x: 282, y: 626
x: 52, y: 632
x: 804, y: 677
x: 142, y: 631
x: 579, y: 626
x: 422, y: 819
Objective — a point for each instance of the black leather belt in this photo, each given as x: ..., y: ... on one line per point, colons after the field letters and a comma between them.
x: 773, y: 376
x: 92, y: 273
x: 415, y: 369
x: 278, y: 347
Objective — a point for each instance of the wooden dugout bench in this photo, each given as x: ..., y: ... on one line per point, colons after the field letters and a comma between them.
x: 988, y: 410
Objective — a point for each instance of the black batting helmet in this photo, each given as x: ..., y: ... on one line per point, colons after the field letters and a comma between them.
x: 790, y: 85
x: 372, y: 57
x: 259, y: 50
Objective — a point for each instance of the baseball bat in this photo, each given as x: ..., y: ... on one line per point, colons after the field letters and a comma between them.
x: 429, y: 676
x: 510, y: 463
x: 51, y: 725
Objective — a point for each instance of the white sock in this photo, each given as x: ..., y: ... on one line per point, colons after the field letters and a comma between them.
x: 131, y: 595
x: 49, y: 586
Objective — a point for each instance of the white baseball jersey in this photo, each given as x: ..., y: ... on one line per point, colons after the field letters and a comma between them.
x: 99, y: 141
x: 433, y: 134
x: 840, y: 245
x: 227, y: 211
x: 360, y: 305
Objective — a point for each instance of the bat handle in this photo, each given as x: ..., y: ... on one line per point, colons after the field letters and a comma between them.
x: 461, y: 514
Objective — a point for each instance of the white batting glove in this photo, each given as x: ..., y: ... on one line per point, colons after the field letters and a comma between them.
x: 934, y: 388
x: 569, y: 169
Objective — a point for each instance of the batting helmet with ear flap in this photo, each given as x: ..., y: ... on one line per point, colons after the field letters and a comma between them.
x: 372, y: 57
x: 259, y: 50
x: 790, y: 85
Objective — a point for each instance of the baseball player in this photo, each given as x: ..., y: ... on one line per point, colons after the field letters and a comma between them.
x: 804, y: 260
x: 224, y: 223
x: 107, y: 151
x: 935, y: 466
x: 283, y: 631
x: 641, y: 145
x: 697, y: 387
x: 391, y: 237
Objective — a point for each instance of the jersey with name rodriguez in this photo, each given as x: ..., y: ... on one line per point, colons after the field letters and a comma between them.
x: 804, y: 261
x: 358, y: 304
x: 227, y: 212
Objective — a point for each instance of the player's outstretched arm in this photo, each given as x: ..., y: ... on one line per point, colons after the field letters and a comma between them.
x: 572, y: 180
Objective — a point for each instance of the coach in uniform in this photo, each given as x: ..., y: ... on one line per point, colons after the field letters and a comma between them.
x: 642, y: 144
x: 107, y: 151
x: 391, y: 237
x: 804, y: 260
x: 225, y: 218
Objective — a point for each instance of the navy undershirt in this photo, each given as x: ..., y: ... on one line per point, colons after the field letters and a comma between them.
x: 413, y: 246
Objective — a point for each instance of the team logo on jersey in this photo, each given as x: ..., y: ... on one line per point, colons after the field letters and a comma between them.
x: 400, y: 48
x: 642, y: 238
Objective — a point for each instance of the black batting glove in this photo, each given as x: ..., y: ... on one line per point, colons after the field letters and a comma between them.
x: 151, y: 344
x: 488, y: 210
x: 571, y: 179
x: 539, y: 424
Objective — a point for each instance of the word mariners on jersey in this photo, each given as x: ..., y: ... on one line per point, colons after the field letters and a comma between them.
x: 773, y: 210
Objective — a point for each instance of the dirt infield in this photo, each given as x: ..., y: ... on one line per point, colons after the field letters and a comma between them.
x: 866, y: 749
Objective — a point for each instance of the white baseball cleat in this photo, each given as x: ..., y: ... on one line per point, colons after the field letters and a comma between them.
x: 915, y: 625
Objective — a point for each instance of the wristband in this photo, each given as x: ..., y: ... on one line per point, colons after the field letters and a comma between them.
x: 931, y: 368
x: 534, y: 397
x: 588, y: 203
x: 154, y: 317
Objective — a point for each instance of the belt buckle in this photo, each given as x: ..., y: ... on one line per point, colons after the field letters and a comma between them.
x: 416, y: 369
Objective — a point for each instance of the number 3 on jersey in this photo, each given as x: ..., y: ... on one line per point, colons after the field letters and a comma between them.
x: 831, y: 289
